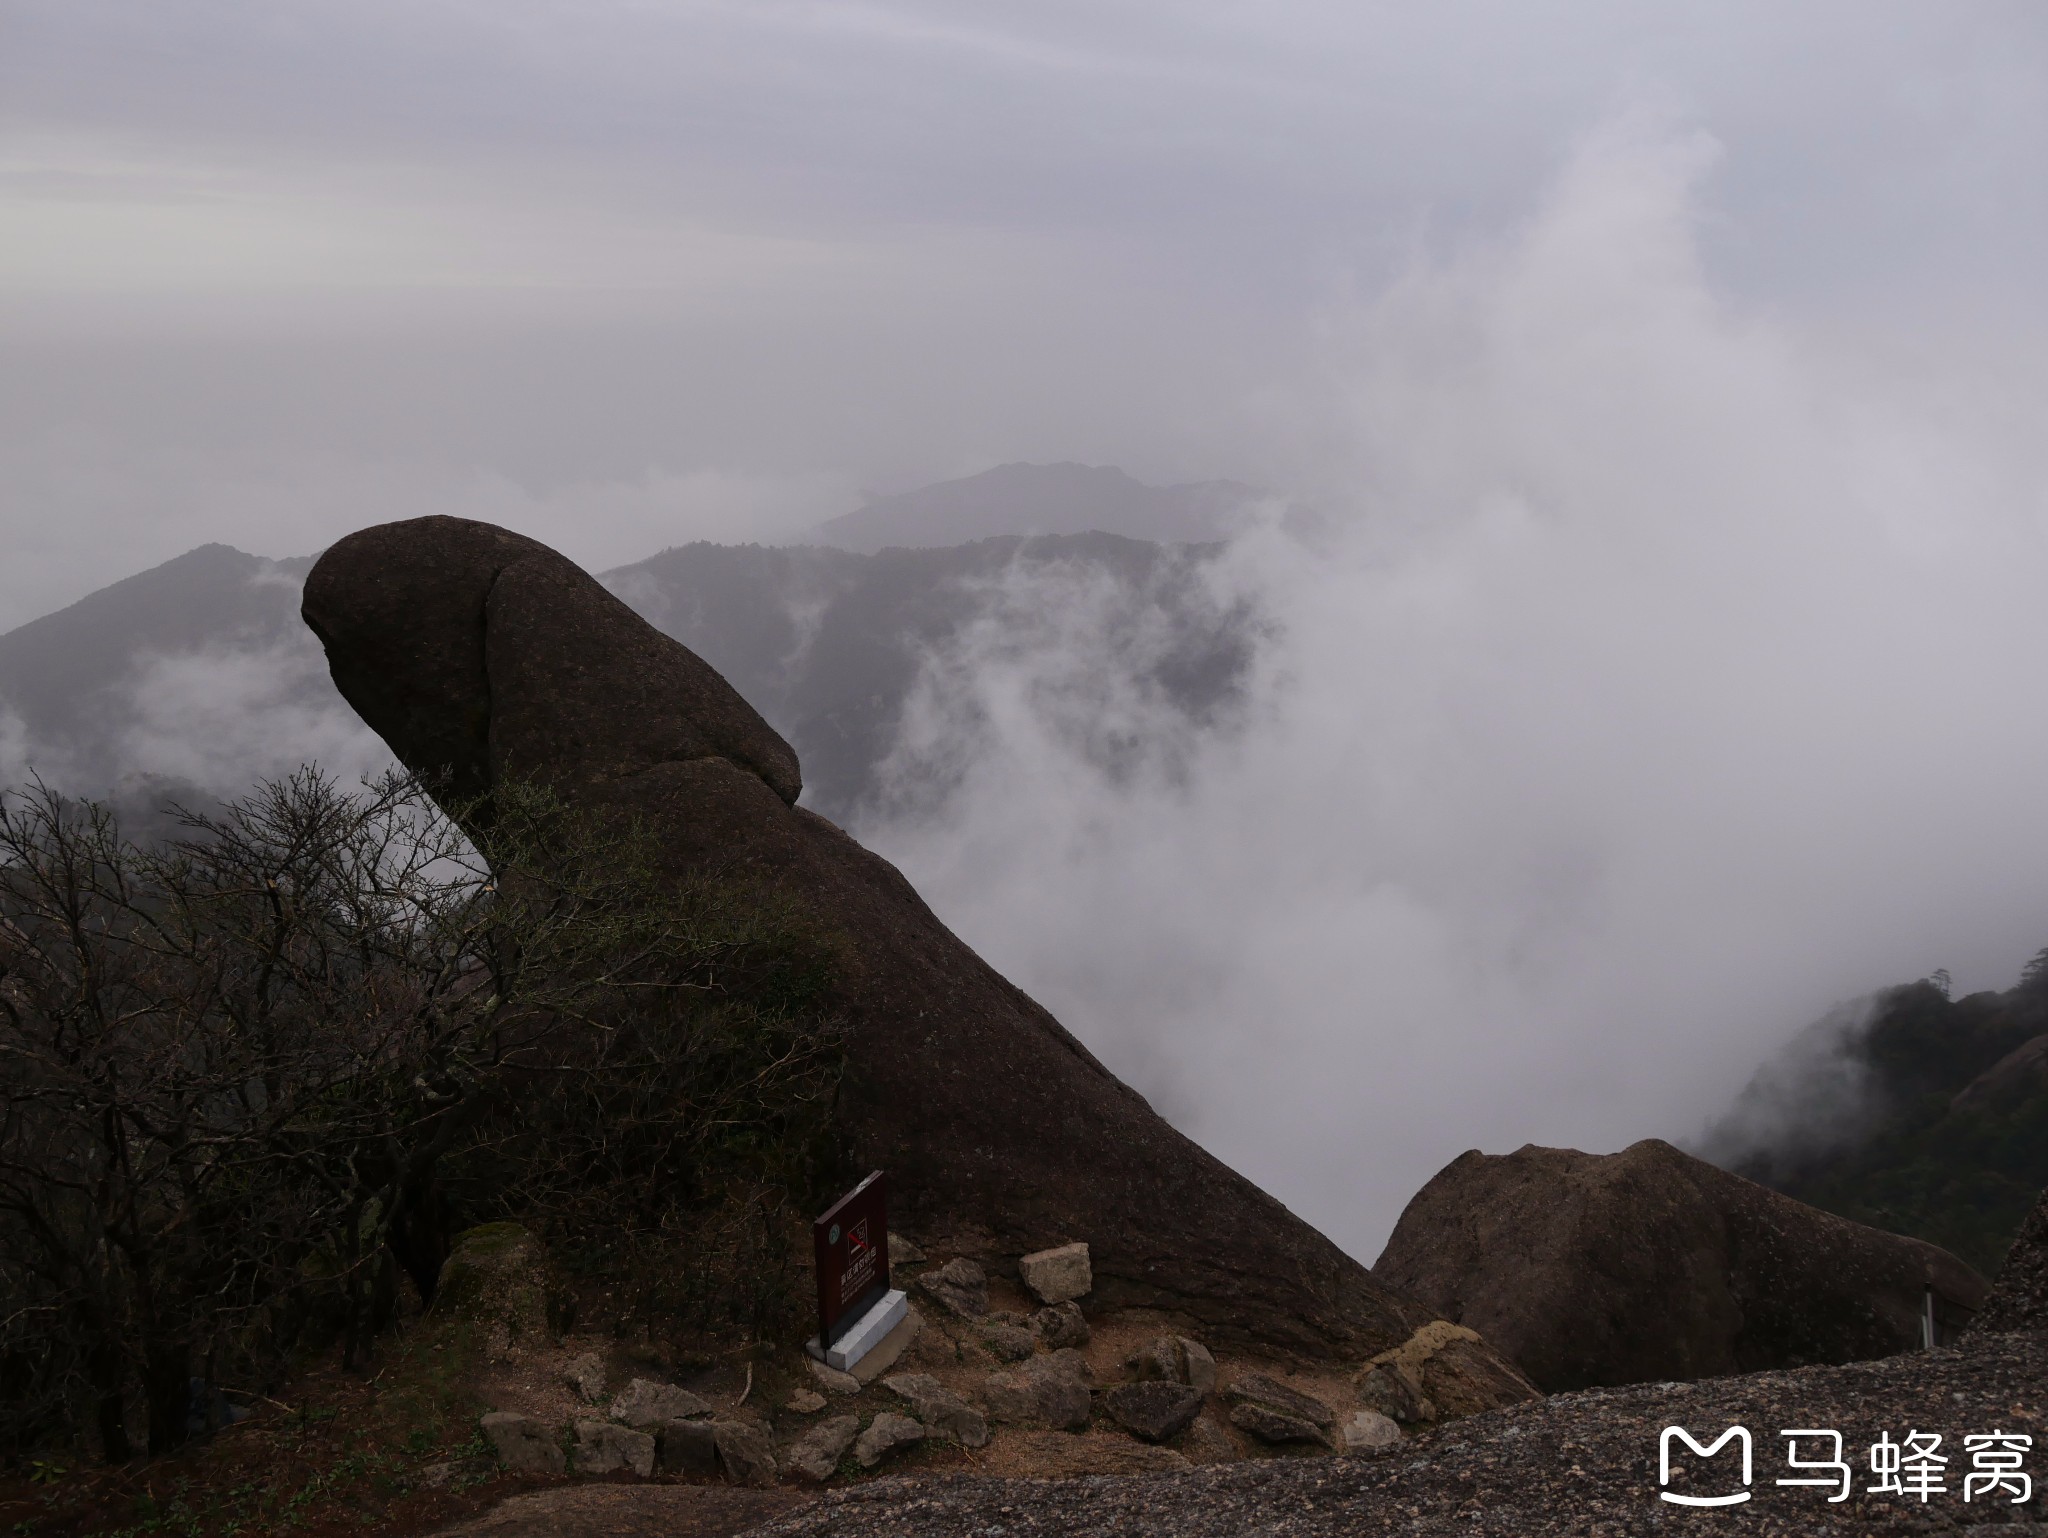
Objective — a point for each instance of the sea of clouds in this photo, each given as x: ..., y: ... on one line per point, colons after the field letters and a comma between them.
x: 1669, y: 673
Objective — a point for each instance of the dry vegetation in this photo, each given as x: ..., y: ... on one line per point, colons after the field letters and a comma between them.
x: 253, y: 1079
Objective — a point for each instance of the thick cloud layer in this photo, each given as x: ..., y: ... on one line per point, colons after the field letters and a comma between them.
x: 1673, y: 679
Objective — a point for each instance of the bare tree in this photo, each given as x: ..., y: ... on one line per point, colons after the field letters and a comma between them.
x: 247, y: 1076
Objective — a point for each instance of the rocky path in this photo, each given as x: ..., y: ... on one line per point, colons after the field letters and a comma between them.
x: 1579, y: 1464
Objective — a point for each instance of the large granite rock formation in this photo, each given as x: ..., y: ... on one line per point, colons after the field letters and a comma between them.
x: 1650, y: 1265
x: 479, y: 654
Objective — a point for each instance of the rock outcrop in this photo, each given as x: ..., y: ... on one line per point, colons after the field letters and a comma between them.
x: 2020, y: 1299
x: 480, y: 655
x: 1650, y: 1265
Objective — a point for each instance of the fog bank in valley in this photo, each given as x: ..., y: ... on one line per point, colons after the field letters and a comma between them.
x: 1669, y: 675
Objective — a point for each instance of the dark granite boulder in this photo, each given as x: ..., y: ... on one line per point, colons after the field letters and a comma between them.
x: 961, y: 1285
x: 1650, y: 1265
x: 1271, y: 1425
x: 1264, y: 1389
x: 1153, y: 1411
x: 480, y: 655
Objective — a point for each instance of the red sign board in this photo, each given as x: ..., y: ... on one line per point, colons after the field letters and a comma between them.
x: 851, y: 1243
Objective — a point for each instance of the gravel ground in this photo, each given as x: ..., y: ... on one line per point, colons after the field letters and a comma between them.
x: 630, y: 1511
x: 1575, y: 1464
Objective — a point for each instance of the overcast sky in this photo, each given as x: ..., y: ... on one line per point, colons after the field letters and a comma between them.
x: 1673, y: 378
x: 625, y: 273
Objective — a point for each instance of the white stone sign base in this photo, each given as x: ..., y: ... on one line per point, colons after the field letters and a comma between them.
x: 865, y: 1333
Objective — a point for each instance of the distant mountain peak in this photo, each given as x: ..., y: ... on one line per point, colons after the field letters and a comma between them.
x: 1028, y: 499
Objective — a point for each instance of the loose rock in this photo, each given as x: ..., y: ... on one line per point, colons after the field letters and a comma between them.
x: 1569, y: 1467
x: 1155, y: 1362
x: 886, y: 1432
x: 1154, y: 1411
x: 1058, y: 1275
x: 687, y: 1447
x: 603, y: 1448
x: 1385, y: 1389
x: 744, y: 1452
x: 647, y: 1403
x: 1263, y: 1389
x: 1060, y: 1325
x: 831, y: 1379
x: 1009, y: 1342
x: 523, y: 1444
x: 817, y: 1452
x: 1174, y: 1359
x: 806, y: 1402
x: 585, y: 1374
x: 1207, y: 1442
x: 904, y: 1253
x: 1270, y: 1425
x: 1368, y: 1431
x: 941, y: 1410
x: 1048, y: 1391
x: 1449, y: 1372
x: 960, y: 1285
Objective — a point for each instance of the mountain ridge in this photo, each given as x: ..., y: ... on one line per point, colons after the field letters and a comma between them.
x: 829, y: 644
x: 1031, y: 499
